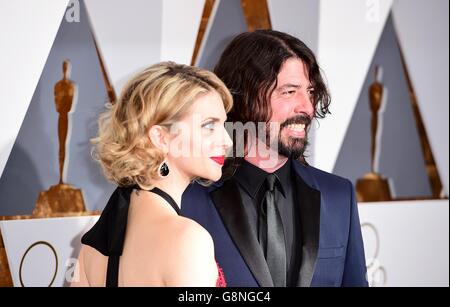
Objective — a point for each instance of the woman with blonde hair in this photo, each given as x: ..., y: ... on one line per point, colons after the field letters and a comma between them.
x: 166, y: 130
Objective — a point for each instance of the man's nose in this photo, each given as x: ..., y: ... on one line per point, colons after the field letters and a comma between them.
x: 304, y: 104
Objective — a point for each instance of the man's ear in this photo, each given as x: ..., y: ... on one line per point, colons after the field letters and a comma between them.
x: 159, y: 136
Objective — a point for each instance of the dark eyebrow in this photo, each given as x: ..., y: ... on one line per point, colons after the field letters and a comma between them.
x: 288, y: 85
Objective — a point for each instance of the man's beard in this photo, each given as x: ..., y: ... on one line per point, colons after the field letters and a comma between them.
x: 293, y: 147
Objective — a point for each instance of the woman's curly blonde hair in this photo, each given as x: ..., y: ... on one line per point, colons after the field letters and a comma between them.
x: 160, y: 95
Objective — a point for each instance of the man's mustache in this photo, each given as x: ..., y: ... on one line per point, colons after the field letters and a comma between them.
x: 299, y: 119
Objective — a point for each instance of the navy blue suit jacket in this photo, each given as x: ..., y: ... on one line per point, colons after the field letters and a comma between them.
x: 332, y: 251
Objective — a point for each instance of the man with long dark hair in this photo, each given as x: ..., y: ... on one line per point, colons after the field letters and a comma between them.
x: 275, y: 220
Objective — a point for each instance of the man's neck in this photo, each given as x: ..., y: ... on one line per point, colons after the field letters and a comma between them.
x: 267, y: 159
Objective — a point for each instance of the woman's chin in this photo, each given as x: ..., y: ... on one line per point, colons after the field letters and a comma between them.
x: 213, y: 176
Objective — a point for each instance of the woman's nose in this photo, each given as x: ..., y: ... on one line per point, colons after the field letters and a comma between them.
x: 227, y: 143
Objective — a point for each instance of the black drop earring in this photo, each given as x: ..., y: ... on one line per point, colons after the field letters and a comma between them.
x: 163, y: 170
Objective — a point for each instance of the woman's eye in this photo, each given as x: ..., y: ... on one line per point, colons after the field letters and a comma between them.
x: 209, y: 125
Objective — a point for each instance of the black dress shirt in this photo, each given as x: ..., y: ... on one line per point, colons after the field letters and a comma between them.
x: 250, y: 179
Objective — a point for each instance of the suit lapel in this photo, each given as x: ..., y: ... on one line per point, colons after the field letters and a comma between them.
x: 229, y: 205
x: 309, y: 207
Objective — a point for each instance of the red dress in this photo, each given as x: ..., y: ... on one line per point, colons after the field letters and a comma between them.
x: 221, y: 282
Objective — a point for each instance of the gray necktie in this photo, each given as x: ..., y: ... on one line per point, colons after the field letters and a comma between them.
x: 275, y: 249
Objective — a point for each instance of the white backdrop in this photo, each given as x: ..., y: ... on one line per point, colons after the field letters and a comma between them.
x: 406, y: 243
x: 39, y: 249
x: 348, y: 37
x: 28, y: 31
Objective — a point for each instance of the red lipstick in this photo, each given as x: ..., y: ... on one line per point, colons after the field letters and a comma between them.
x: 220, y: 159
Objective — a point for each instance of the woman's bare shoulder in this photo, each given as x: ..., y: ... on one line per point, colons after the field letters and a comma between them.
x: 180, y: 249
x: 188, y: 230
x: 90, y: 268
x: 190, y: 256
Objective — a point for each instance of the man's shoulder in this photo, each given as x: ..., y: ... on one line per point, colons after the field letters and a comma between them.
x: 316, y: 176
x: 335, y: 190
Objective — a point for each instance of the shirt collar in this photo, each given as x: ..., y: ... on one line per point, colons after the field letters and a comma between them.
x: 251, y: 177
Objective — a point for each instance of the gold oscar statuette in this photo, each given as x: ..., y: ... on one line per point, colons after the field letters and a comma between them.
x: 373, y: 187
x: 62, y: 197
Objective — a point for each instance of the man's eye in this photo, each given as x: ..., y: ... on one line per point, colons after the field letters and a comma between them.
x: 286, y: 93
